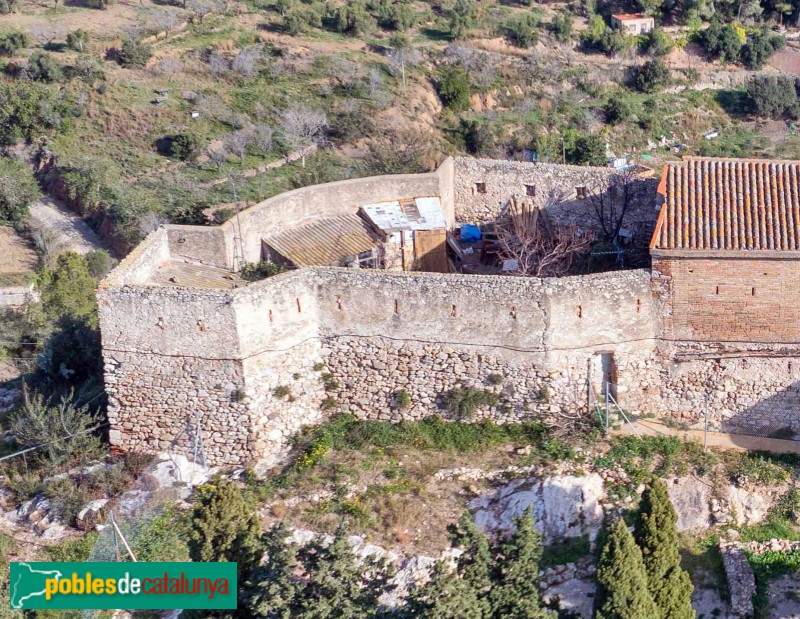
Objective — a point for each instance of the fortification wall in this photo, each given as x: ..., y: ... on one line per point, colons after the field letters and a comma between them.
x: 427, y: 333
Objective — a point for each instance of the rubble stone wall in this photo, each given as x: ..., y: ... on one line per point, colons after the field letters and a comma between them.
x: 484, y: 189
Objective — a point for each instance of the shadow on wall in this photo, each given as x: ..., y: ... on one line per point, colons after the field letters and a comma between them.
x: 776, y: 416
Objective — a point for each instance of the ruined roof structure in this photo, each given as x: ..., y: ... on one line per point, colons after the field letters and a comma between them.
x: 729, y: 204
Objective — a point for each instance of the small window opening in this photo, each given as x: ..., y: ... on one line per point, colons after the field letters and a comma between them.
x: 396, y: 307
x: 752, y: 292
x: 581, y: 191
x: 453, y: 311
x: 580, y: 312
x: 638, y: 305
x: 717, y: 290
x: 530, y: 191
x: 480, y: 187
x: 299, y: 309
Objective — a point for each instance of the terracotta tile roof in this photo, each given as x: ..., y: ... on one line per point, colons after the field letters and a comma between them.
x: 630, y: 16
x: 736, y: 204
x: 324, y: 241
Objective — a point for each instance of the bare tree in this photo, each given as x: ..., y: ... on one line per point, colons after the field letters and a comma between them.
x: 201, y: 8
x: 165, y: 21
x: 263, y: 138
x: 402, y: 54
x: 246, y: 61
x: 170, y: 66
x: 539, y: 249
x: 302, y: 127
x: 237, y: 143
x: 612, y: 198
x: 217, y: 63
x: 218, y: 156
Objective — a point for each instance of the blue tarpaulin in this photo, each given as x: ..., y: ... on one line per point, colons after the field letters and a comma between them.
x: 470, y: 233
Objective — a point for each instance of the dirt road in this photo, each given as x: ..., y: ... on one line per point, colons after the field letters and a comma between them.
x: 72, y: 231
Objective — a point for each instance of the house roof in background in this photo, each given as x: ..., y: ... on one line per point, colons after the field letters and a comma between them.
x: 324, y: 241
x: 630, y: 16
x: 729, y: 204
x: 424, y: 213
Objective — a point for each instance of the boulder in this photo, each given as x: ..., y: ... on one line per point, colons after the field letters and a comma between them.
x: 562, y: 507
x: 691, y: 499
x: 93, y: 513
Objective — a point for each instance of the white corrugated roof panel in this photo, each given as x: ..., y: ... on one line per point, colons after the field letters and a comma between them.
x: 413, y: 214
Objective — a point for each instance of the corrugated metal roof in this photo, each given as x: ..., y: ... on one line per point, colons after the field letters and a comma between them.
x: 736, y: 204
x: 425, y: 213
x: 324, y: 241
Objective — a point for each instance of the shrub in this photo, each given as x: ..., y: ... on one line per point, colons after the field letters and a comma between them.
x: 43, y: 67
x: 657, y: 43
x: 465, y: 401
x: 478, y: 136
x: 353, y: 18
x: 772, y: 96
x: 651, y: 76
x: 71, y: 354
x: 134, y: 53
x: 37, y: 422
x: 329, y: 381
x: 181, y: 146
x: 282, y: 391
x: 454, y: 88
x: 402, y: 398
x: 11, y: 42
x: 300, y: 17
x: 561, y: 26
x: 495, y: 379
x: 100, y: 263
x: 760, y: 48
x: 460, y: 17
x: 78, y: 40
x: 618, y: 110
x: 587, y: 150
x: 18, y: 189
x: 329, y: 403
x: 522, y: 30
x: 262, y: 270
x: 30, y: 109
x: 722, y: 42
x: 68, y: 289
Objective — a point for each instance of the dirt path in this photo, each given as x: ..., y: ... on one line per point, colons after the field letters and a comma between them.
x: 72, y: 231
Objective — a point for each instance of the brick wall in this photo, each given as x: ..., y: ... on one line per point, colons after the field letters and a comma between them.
x: 730, y: 299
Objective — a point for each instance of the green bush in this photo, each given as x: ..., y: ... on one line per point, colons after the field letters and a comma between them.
x: 722, y: 41
x: 43, y: 67
x: 465, y: 401
x: 454, y: 89
x: 354, y: 19
x: 183, y: 146
x: 100, y: 263
x: 18, y: 189
x: 652, y: 76
x: 618, y: 110
x: 78, y: 40
x: 29, y: 109
x: 772, y: 96
x: 402, y: 398
x: 13, y: 41
x: 68, y: 289
x: 522, y: 31
x: 134, y: 53
x: 657, y: 43
x: 760, y: 48
x: 561, y: 26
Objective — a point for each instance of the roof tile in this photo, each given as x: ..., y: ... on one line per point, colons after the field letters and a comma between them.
x: 729, y: 204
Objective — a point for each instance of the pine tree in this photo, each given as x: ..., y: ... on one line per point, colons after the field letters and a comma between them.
x: 445, y: 596
x: 475, y: 564
x: 272, y: 590
x: 336, y: 585
x: 657, y: 538
x: 621, y: 579
x: 516, y: 593
x: 224, y: 528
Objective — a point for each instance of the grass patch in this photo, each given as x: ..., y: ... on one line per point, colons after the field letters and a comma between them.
x: 766, y: 567
x: 701, y: 558
x: 779, y: 523
x: 570, y: 550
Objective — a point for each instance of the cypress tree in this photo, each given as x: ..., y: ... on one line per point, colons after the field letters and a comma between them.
x: 336, y: 585
x: 445, y: 596
x: 657, y: 538
x: 475, y: 564
x: 622, y: 591
x: 271, y: 588
x: 516, y: 593
x: 225, y: 528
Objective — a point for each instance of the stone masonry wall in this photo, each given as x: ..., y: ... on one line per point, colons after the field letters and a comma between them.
x: 502, y: 181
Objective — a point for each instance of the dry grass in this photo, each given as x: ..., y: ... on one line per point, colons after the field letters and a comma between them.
x: 17, y: 258
x: 389, y: 496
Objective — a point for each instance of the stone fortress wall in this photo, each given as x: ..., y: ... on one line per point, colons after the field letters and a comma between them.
x: 258, y: 362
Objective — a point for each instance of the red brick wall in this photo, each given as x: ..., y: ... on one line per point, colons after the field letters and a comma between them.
x: 751, y: 300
